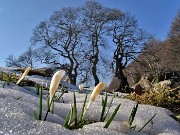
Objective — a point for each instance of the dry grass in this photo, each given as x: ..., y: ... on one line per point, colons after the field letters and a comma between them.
x: 166, y: 98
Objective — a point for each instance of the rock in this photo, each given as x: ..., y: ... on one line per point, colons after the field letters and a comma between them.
x: 114, y: 85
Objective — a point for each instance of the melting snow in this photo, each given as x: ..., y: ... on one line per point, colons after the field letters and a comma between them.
x: 17, y: 105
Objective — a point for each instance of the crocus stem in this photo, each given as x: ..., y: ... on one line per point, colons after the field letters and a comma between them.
x: 88, y: 105
x: 83, y: 109
x: 86, y: 109
x: 40, y: 103
x: 48, y: 110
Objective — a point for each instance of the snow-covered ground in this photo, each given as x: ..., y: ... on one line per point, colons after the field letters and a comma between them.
x: 17, y: 105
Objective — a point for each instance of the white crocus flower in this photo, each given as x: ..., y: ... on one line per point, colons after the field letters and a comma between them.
x: 81, y: 87
x: 54, y: 85
x: 24, y: 74
x: 94, y: 94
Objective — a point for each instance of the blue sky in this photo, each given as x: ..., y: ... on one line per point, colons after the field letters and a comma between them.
x: 19, y: 17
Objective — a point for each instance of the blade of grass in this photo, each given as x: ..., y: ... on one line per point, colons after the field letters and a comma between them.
x: 35, y: 116
x: 37, y: 88
x: 83, y: 109
x: 147, y: 122
x: 40, y: 103
x: 48, y: 110
x: 57, y: 99
x: 75, y: 109
x: 109, y: 107
x: 18, y: 98
x: 104, y: 103
x: 72, y: 115
x: 112, y: 116
x: 133, y: 113
x: 67, y: 119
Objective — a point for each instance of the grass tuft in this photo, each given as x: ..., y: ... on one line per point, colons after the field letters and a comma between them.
x: 112, y: 116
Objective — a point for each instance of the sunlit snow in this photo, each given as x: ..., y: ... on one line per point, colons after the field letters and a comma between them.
x: 17, y: 105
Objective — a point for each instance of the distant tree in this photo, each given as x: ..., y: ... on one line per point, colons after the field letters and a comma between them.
x: 174, y: 38
x: 148, y: 62
x: 11, y: 61
x: 96, y: 19
x: 129, y: 40
x: 24, y: 60
x: 156, y: 59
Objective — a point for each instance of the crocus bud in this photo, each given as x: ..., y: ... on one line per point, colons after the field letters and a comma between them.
x: 24, y: 74
x: 54, y: 85
x: 95, y: 92
x: 81, y: 87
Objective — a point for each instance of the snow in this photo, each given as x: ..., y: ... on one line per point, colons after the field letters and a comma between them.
x: 17, y: 105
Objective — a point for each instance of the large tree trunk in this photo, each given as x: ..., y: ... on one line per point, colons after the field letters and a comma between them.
x: 94, y: 72
x: 72, y: 79
x: 94, y: 60
x: 124, y: 85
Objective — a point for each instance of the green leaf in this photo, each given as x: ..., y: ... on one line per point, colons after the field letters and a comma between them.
x: 112, y: 116
x: 48, y: 110
x: 83, y: 109
x: 109, y: 107
x: 67, y: 118
x: 40, y: 104
x: 104, y: 103
x: 37, y: 88
x: 57, y: 99
x: 133, y: 113
x: 147, y: 123
x: 18, y: 98
x: 35, y: 116
x: 72, y: 115
x: 75, y: 109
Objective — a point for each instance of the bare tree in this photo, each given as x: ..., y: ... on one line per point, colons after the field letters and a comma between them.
x: 129, y: 40
x: 174, y: 38
x: 24, y: 60
x: 11, y: 61
x: 156, y: 60
x: 96, y: 19
x: 61, y: 35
